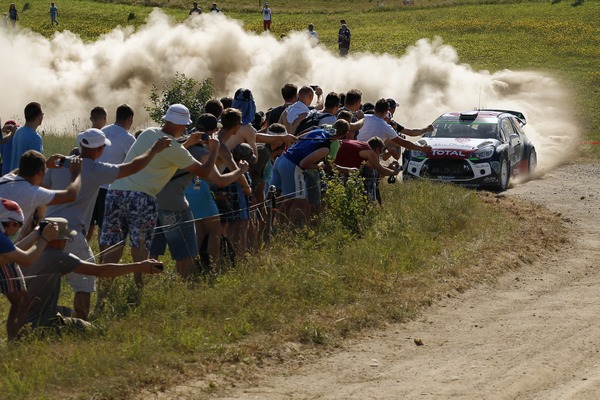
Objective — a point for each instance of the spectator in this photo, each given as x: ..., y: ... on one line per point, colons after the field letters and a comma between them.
x: 26, y: 137
x: 288, y: 170
x: 8, y: 131
x: 24, y: 187
x: 289, y: 92
x: 376, y: 125
x: 202, y: 203
x: 12, y: 283
x: 195, y: 9
x: 214, y: 107
x: 13, y: 15
x: 226, y: 101
x: 266, y: 13
x: 5, y: 20
x: 313, y: 36
x: 131, y: 208
x: 354, y: 154
x: 295, y: 113
x: 44, y: 278
x: 174, y: 212
x: 98, y: 117
x: 121, y: 141
x: 214, y: 8
x: 401, y: 129
x: 94, y: 173
x: 344, y: 39
x: 53, y: 14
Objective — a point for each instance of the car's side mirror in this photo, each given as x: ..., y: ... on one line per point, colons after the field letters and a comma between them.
x: 513, y: 137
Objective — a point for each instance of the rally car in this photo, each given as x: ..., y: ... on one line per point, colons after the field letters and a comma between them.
x: 482, y: 148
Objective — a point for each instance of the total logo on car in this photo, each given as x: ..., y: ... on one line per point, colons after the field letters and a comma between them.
x: 483, y: 148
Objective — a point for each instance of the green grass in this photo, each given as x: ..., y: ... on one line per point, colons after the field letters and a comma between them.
x: 318, y: 287
x: 315, y: 287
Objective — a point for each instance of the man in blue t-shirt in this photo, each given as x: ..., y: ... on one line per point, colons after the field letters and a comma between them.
x: 289, y: 170
x: 26, y: 137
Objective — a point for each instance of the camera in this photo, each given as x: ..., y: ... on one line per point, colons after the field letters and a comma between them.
x: 205, y: 136
x: 43, y: 225
x: 63, y: 162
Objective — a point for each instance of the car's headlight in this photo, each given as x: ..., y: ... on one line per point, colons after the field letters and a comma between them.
x: 484, y: 153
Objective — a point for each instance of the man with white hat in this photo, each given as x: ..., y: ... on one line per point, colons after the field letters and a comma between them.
x: 25, y: 252
x: 78, y: 213
x: 131, y: 208
x: 44, y: 278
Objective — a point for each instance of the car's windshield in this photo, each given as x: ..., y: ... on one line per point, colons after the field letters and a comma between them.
x: 455, y: 129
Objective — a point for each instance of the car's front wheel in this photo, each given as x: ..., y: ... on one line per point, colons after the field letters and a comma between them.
x: 503, y: 175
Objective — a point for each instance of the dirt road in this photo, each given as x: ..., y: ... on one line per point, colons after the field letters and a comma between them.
x: 535, y: 334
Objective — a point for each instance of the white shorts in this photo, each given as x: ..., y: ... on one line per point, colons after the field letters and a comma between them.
x: 79, y: 247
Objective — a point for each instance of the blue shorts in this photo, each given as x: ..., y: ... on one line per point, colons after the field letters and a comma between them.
x: 128, y: 212
x: 201, y: 199
x: 289, y: 178
x: 176, y: 229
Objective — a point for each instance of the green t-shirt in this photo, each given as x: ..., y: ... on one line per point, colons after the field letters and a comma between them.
x: 160, y: 170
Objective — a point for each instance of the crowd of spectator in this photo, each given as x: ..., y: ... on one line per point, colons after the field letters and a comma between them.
x: 189, y: 186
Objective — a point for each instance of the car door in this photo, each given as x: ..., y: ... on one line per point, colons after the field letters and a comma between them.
x: 515, y: 143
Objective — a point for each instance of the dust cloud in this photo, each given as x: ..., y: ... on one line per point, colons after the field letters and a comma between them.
x: 69, y: 76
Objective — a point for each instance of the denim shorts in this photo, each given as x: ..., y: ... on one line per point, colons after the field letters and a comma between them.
x: 175, y: 229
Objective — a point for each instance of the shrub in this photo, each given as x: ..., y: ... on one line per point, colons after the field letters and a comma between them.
x: 347, y: 202
x: 182, y: 90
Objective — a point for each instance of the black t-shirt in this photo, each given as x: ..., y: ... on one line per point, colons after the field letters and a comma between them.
x: 276, y: 113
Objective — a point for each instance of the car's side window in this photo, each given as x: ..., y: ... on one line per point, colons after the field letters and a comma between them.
x: 517, y: 127
x: 506, y: 128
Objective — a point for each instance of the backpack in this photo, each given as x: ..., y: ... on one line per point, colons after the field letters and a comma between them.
x: 311, y: 121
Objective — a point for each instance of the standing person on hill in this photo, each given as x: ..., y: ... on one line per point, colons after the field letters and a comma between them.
x: 344, y: 39
x: 121, y: 141
x: 266, y: 13
x: 13, y: 15
x: 92, y: 143
x: 313, y: 36
x: 214, y: 8
x: 195, y: 9
x: 131, y: 208
x: 53, y: 14
x: 26, y: 137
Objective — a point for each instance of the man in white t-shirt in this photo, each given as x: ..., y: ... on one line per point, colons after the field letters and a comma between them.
x: 131, y: 208
x: 92, y: 144
x: 121, y: 141
x: 375, y: 125
x: 266, y: 13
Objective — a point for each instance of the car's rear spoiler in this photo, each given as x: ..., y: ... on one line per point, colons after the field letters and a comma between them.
x: 517, y: 114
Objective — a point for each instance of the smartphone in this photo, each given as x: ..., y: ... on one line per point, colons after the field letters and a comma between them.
x: 205, y: 137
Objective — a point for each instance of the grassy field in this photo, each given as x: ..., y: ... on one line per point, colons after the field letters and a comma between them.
x: 317, y: 287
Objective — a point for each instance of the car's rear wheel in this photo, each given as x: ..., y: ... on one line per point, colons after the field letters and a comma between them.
x: 503, y: 175
x: 531, y: 163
